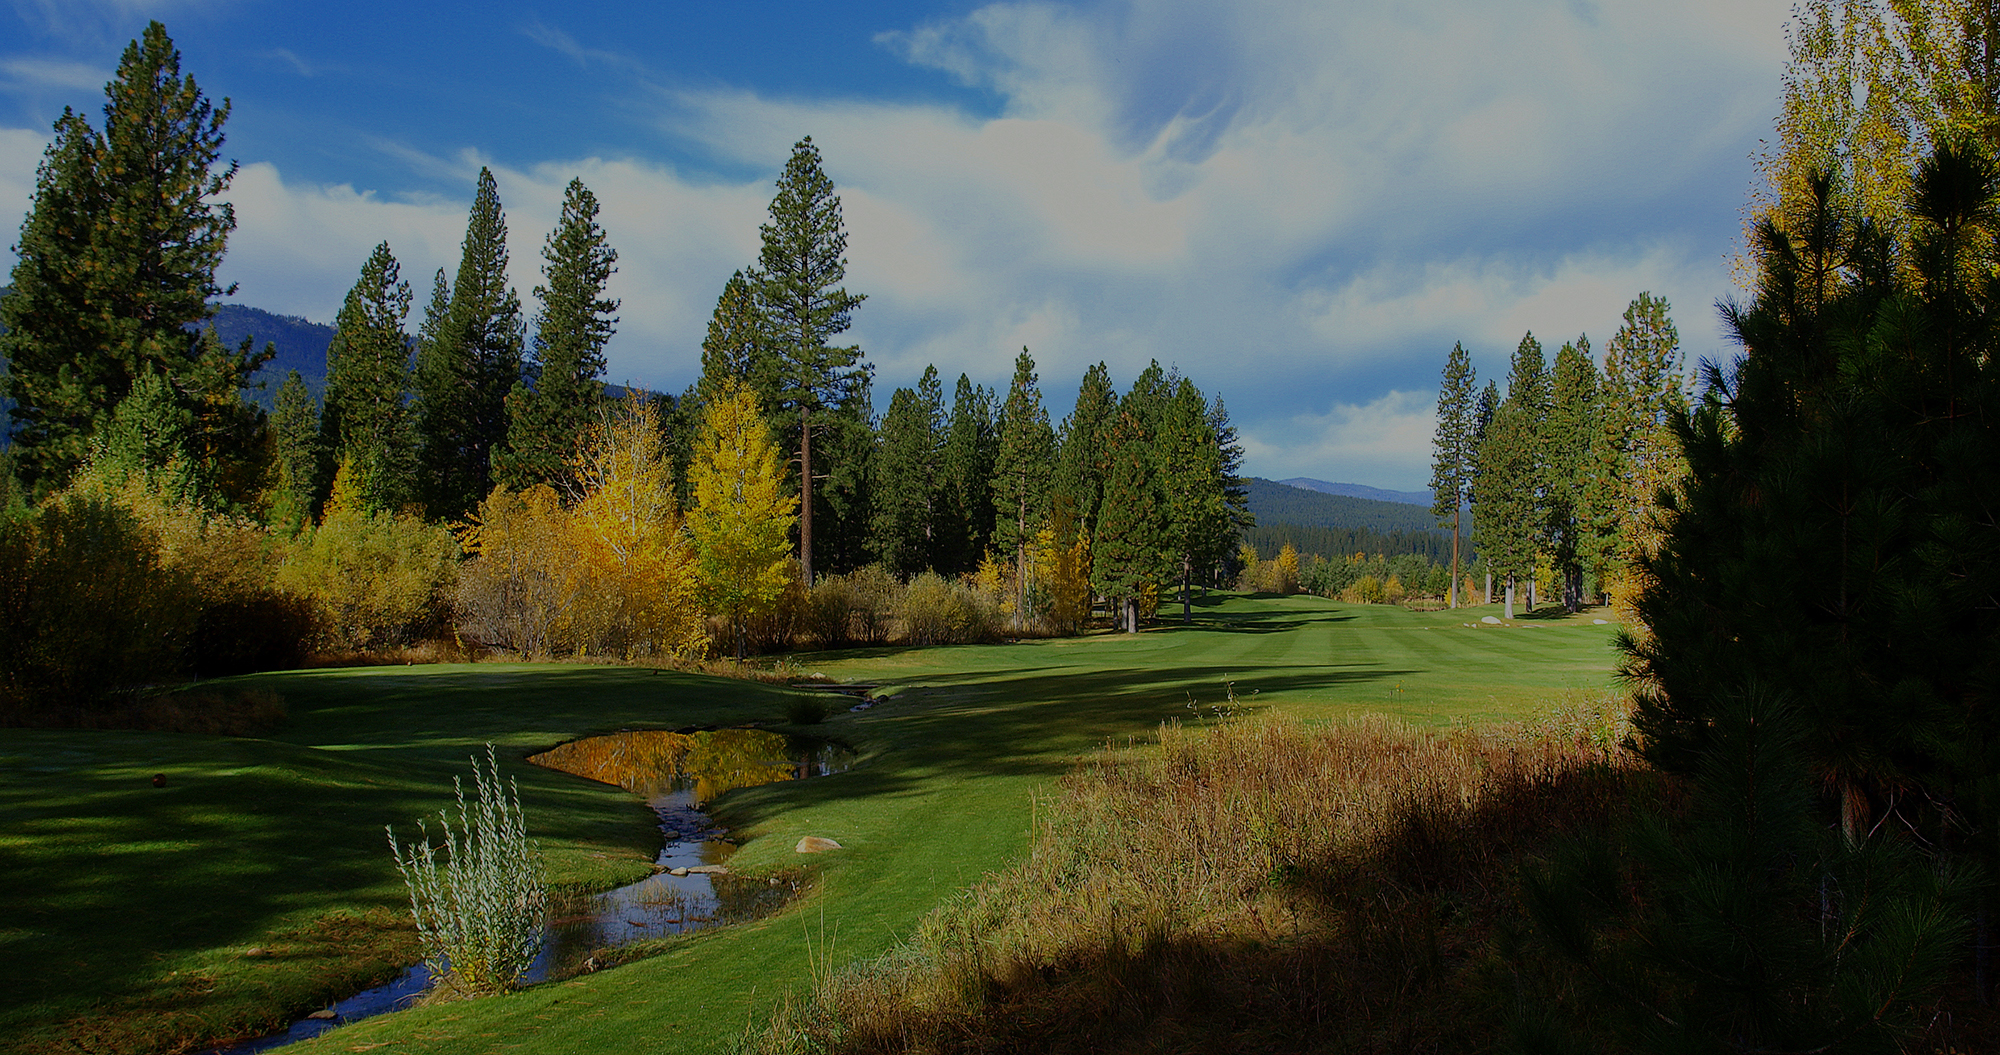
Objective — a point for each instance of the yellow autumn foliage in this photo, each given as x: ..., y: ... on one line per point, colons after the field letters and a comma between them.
x: 742, y: 519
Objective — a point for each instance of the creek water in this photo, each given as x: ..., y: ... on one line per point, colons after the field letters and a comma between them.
x: 678, y: 773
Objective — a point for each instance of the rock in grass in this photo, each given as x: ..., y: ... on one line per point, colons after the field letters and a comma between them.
x: 813, y: 844
x: 1490, y: 620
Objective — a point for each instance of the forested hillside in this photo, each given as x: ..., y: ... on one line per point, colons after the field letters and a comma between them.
x: 1276, y: 503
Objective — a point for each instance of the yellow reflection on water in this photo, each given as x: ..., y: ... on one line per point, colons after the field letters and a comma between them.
x: 651, y: 761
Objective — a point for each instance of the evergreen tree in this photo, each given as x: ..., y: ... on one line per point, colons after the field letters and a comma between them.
x: 470, y: 360
x: 1454, y: 451
x: 365, y: 424
x: 1191, y: 481
x: 1021, y: 469
x: 1086, y: 446
x: 1572, y: 424
x: 115, y: 267
x: 966, y: 480
x: 1235, y: 490
x: 1482, y: 426
x: 738, y: 346
x: 1833, y: 537
x: 907, y: 504
x: 803, y: 306
x: 1126, y: 549
x: 1634, y: 450
x: 1508, y: 492
x: 298, y: 459
x: 545, y: 419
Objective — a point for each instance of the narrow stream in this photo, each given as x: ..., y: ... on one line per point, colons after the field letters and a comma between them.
x: 678, y: 773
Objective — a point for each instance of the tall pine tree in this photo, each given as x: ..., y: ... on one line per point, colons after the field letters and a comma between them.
x: 966, y: 479
x: 1568, y: 436
x: 468, y: 362
x: 1509, y: 489
x: 1191, y: 484
x: 1021, y: 469
x: 1454, y: 451
x: 298, y: 459
x: 548, y: 411
x: 115, y: 268
x: 907, y: 508
x: 365, y: 423
x: 804, y: 306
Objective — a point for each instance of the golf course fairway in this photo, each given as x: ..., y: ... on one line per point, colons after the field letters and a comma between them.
x: 125, y: 903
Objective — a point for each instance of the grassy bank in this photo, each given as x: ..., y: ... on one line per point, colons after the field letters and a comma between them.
x: 288, y: 828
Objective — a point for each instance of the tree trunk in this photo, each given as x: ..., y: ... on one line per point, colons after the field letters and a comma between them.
x: 806, y: 497
x: 1510, y: 595
x: 1489, y: 586
x: 1454, y: 556
x: 1187, y: 601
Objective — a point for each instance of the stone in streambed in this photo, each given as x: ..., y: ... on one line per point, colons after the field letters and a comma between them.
x: 813, y: 844
x: 708, y: 870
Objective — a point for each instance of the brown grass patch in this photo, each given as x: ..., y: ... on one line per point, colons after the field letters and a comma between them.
x: 1254, y: 885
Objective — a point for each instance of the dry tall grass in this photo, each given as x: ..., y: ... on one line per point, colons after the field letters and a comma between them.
x: 1248, y: 885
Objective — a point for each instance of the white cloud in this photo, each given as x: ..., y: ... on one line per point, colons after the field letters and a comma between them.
x: 1385, y: 443
x: 1300, y: 204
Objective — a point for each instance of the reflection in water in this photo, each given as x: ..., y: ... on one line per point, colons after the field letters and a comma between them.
x: 677, y: 773
x: 650, y: 761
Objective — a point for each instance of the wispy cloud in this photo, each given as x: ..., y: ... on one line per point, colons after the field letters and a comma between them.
x: 52, y: 75
x: 555, y: 39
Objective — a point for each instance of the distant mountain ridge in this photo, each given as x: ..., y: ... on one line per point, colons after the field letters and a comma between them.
x: 301, y: 345
x: 1377, y: 494
x: 1282, y: 503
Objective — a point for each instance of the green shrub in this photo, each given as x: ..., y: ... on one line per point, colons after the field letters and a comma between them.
x: 483, y: 911
x: 373, y: 579
x: 937, y: 611
x: 86, y: 609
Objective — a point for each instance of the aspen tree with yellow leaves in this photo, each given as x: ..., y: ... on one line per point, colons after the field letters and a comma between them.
x: 742, y: 518
x: 629, y: 538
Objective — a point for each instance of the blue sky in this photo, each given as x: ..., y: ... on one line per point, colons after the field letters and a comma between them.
x: 1299, y: 204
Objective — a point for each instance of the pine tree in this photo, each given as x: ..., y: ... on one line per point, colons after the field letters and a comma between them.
x: 742, y: 518
x: 966, y: 480
x: 470, y: 360
x: 737, y: 346
x: 1086, y: 444
x: 1235, y: 490
x: 298, y: 460
x: 546, y: 419
x: 365, y: 424
x: 1482, y: 426
x: 1191, y: 481
x: 907, y: 509
x: 803, y: 306
x: 115, y: 267
x: 1508, y: 492
x: 1126, y: 547
x: 1634, y: 452
x: 1454, y: 453
x: 1022, y: 464
x: 1572, y: 424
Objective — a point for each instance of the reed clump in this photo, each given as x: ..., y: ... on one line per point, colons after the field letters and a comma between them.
x: 1248, y: 884
x: 481, y: 907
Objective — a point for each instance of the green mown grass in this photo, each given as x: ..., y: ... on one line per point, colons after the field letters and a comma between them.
x: 120, y: 902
